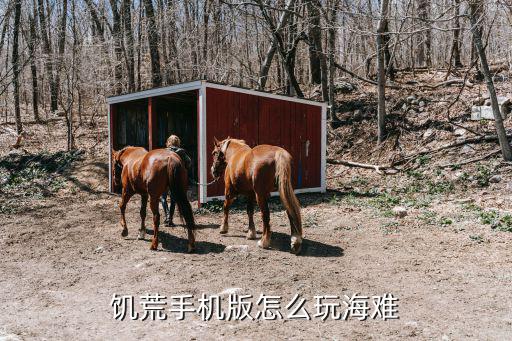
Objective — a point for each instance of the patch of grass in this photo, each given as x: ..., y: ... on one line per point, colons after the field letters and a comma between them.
x: 334, y: 200
x: 500, y: 222
x: 505, y: 223
x: 428, y: 217
x: 482, y: 176
x: 440, y: 187
x: 391, y: 227
x: 352, y: 199
x: 359, y: 181
x: 415, y: 174
x: 488, y: 217
x: 477, y: 238
x: 33, y: 176
x: 420, y: 202
x: 384, y: 201
x: 444, y: 221
x: 422, y: 160
x: 214, y: 206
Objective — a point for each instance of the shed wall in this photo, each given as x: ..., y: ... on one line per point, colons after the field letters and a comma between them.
x: 296, y: 127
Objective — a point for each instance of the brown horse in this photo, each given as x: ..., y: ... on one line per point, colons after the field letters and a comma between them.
x: 253, y: 172
x: 150, y: 174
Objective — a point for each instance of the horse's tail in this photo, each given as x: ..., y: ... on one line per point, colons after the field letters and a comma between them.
x: 283, y: 161
x: 178, y: 188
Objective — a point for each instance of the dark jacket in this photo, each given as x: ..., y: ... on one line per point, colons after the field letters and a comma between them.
x: 183, y: 155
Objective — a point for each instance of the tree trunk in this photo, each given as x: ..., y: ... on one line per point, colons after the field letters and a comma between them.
x: 61, y: 43
x: 156, y: 76
x: 118, y: 47
x: 381, y: 70
x: 15, y: 65
x: 269, y: 56
x: 47, y: 50
x: 477, y: 38
x: 128, y: 33
x: 31, y: 38
x: 456, y: 36
x: 331, y: 48
x: 424, y: 51
x: 315, y: 43
x: 281, y: 46
x: 206, y: 18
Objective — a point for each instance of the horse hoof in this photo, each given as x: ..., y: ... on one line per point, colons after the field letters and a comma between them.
x: 263, y: 244
x: 191, y: 249
x: 124, y: 233
x: 296, y: 245
x: 153, y: 247
x: 251, y: 234
x: 296, y: 248
x: 141, y: 236
x: 223, y: 231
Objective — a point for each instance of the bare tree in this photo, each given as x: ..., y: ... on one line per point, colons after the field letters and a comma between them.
x: 15, y: 65
x: 425, y: 43
x: 381, y: 69
x: 479, y: 46
x: 153, y: 39
x: 31, y: 39
x: 128, y: 33
x: 456, y: 36
x: 47, y: 50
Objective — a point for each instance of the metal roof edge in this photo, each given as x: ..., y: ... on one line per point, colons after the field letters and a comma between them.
x: 194, y: 85
x: 264, y: 94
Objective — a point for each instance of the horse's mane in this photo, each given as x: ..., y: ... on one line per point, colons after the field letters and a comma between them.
x: 236, y: 140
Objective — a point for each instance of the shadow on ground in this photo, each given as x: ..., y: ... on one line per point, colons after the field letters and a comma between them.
x: 310, y: 248
x: 175, y: 244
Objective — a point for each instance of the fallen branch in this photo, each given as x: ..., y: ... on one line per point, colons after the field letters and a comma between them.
x: 476, y: 159
x: 448, y: 83
x: 383, y: 170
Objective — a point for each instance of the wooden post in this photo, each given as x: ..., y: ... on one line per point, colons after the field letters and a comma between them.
x: 151, y: 123
x: 199, y: 146
x: 113, y: 146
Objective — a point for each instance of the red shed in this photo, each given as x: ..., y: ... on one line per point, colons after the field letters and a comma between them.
x: 199, y: 111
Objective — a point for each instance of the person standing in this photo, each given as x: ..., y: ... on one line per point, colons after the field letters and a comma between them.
x: 174, y: 144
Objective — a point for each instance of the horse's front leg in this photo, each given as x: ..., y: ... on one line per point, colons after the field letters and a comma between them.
x: 265, y: 214
x: 153, y: 204
x: 143, y: 209
x: 251, y: 233
x: 125, y: 197
x: 227, y: 202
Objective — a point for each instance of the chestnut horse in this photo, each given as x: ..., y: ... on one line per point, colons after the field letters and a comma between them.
x: 150, y: 174
x: 253, y: 172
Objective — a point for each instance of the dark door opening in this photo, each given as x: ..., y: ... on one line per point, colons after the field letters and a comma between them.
x: 176, y: 114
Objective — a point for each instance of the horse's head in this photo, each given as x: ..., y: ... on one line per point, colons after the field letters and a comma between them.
x: 219, y: 157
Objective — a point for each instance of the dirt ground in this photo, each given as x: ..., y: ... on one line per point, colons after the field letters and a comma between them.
x: 62, y: 257
x: 62, y: 261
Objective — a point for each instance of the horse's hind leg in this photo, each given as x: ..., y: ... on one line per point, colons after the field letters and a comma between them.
x: 143, y: 209
x: 153, y: 204
x: 251, y: 233
x: 265, y: 214
x: 125, y: 197
x: 225, y: 225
